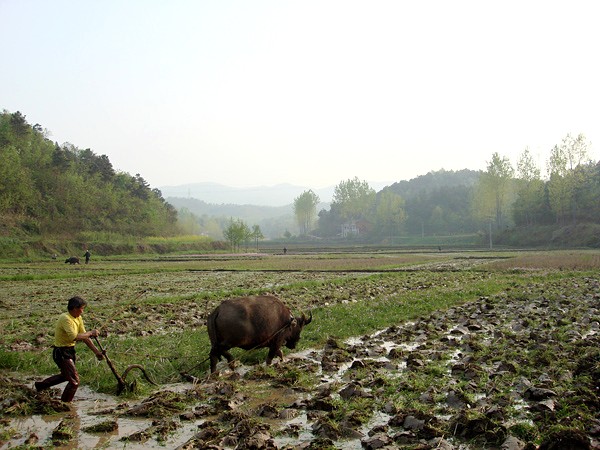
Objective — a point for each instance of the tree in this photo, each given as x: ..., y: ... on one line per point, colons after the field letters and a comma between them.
x: 236, y: 233
x: 492, y: 197
x: 305, y: 208
x: 16, y: 187
x: 256, y: 234
x: 567, y: 174
x: 587, y: 193
x: 558, y: 187
x: 591, y: 205
x: 529, y: 204
x: 354, y: 198
x: 390, y: 213
x: 329, y: 222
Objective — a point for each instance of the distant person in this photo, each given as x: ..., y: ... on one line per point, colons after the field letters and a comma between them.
x: 284, y: 250
x: 87, y: 255
x: 68, y: 330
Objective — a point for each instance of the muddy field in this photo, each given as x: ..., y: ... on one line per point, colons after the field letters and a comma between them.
x: 515, y: 365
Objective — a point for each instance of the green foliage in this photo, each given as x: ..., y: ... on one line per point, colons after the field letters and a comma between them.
x: 494, y: 191
x: 567, y: 176
x: 439, y: 203
x: 389, y: 213
x: 236, y: 233
x: 530, y: 206
x: 212, y: 219
x: 353, y: 201
x: 355, y: 198
x: 191, y: 223
x: 49, y: 189
x: 305, y: 208
x: 256, y: 234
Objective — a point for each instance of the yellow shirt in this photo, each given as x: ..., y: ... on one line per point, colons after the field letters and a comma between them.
x: 67, y: 329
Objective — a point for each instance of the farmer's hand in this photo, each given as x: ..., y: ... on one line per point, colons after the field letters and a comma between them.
x: 100, y: 356
x: 94, y: 333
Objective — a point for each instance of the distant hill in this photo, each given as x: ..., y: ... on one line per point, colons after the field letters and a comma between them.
x: 435, y: 181
x: 270, y: 207
x: 219, y: 194
x: 248, y: 213
x: 278, y: 195
x: 274, y: 221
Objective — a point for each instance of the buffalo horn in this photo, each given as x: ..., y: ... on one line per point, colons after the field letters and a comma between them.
x: 305, y: 320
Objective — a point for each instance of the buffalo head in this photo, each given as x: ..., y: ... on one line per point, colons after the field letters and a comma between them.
x: 295, y: 328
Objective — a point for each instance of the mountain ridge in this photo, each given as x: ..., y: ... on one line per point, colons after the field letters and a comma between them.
x: 282, y: 194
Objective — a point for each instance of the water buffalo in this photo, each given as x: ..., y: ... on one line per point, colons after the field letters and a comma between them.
x: 253, y: 322
x: 72, y: 260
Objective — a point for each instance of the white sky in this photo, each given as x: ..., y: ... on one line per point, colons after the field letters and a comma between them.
x: 249, y: 93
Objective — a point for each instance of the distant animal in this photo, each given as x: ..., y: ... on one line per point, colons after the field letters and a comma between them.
x: 72, y: 260
x: 253, y: 322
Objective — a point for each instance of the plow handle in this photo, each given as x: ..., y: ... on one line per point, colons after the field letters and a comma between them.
x: 120, y: 382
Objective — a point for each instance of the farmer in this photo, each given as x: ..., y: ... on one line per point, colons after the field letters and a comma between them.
x: 87, y: 255
x: 69, y: 329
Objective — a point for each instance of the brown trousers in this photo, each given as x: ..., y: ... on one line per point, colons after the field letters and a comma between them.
x: 65, y: 360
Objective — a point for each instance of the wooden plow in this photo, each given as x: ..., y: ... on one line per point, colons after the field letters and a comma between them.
x: 121, y: 384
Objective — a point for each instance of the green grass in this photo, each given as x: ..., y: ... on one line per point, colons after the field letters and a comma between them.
x: 165, y: 356
x: 354, y: 319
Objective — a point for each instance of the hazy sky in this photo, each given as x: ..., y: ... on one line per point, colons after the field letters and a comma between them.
x: 311, y: 93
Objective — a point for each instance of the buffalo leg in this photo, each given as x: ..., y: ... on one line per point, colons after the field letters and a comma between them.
x: 215, y: 356
x: 274, y: 352
x: 229, y: 357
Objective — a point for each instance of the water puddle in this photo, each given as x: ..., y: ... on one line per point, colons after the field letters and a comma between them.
x: 88, y: 409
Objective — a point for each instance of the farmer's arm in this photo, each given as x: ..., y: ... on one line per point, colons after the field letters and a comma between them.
x: 85, y: 337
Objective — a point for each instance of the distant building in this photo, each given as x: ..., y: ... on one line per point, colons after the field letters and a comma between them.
x: 356, y: 228
x: 350, y: 229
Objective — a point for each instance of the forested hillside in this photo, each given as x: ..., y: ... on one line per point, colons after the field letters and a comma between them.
x: 61, y: 190
x: 439, y: 202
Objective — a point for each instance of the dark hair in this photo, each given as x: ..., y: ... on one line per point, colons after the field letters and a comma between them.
x: 76, y: 302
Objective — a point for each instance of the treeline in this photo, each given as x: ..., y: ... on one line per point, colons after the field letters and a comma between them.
x: 501, y: 198
x: 519, y: 196
x: 438, y: 203
x: 52, y: 189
